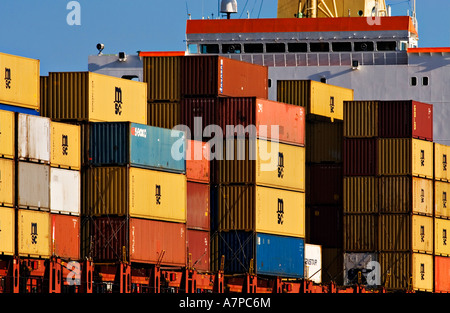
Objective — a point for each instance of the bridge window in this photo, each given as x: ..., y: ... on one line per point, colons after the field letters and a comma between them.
x: 297, y: 47
x: 253, y: 48
x: 231, y: 48
x: 341, y: 46
x: 413, y: 81
x: 386, y: 46
x: 364, y: 46
x: 319, y: 47
x: 275, y: 47
x: 211, y: 48
x: 425, y: 81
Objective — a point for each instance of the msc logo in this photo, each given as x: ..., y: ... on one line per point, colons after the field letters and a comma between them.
x: 8, y: 78
x: 422, y: 271
x: 444, y: 199
x: 118, y: 101
x: 280, y: 165
x: 331, y: 104
x: 444, y: 162
x: 422, y: 158
x: 34, y: 233
x: 158, y: 194
x: 65, y: 144
x: 422, y: 233
x: 422, y: 195
x: 280, y: 211
x: 444, y: 237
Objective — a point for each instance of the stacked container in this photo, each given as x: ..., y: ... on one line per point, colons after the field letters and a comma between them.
x: 388, y: 191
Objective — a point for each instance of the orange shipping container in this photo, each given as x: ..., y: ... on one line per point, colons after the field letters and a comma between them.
x: 65, y: 232
x: 197, y: 161
x: 198, y: 249
x: 442, y: 274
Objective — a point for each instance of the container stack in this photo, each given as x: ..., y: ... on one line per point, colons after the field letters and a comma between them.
x: 388, y: 192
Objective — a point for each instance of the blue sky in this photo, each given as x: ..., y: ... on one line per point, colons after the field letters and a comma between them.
x: 39, y: 29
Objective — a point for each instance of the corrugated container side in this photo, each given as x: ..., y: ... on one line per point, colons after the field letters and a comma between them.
x: 65, y: 145
x: 325, y: 184
x: 198, y: 161
x: 361, y: 194
x: 33, y: 233
x: 199, y: 76
x: 441, y: 229
x: 324, y: 142
x: 33, y: 186
x: 360, y: 157
x: 324, y: 226
x: 163, y: 77
x: 296, y: 92
x: 43, y: 95
x: 7, y: 134
x: 197, y: 114
x: 332, y: 265
x: 360, y: 233
x: 164, y: 114
x: 198, y: 206
x: 7, y: 235
x: 198, y: 249
x: 361, y: 119
x: 441, y: 171
x: 7, y: 182
x: 65, y: 236
x: 33, y: 138
x: 65, y: 191
x: 441, y: 274
x: 441, y: 207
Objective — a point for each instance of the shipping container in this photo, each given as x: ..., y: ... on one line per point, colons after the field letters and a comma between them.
x: 65, y: 191
x: 65, y: 236
x: 135, y: 192
x: 441, y: 207
x: 20, y: 81
x: 324, y: 226
x: 33, y: 138
x: 359, y: 269
x: 324, y: 184
x: 123, y: 143
x: 318, y: 98
x: 198, y: 249
x: 441, y: 244
x: 361, y: 119
x: 260, y: 209
x: 440, y: 162
x: 7, y: 134
x: 86, y: 96
x: 360, y: 157
x: 313, y: 263
x: 198, y: 206
x: 15, y: 109
x: 407, y: 271
x: 405, y: 119
x: 33, y: 233
x: 197, y: 114
x: 7, y: 183
x: 162, y: 74
x: 214, y: 76
x: 406, y: 233
x: 268, y: 254
x: 164, y: 114
x: 324, y: 141
x: 406, y: 194
x: 441, y: 274
x: 65, y: 145
x: 332, y: 265
x: 33, y: 186
x: 360, y: 233
x: 361, y: 194
x: 7, y: 233
x: 261, y: 162
x: 198, y: 161
x: 43, y: 97
x: 405, y: 157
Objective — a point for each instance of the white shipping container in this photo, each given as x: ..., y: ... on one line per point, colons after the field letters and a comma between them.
x: 365, y: 263
x: 33, y: 185
x: 65, y: 191
x: 33, y: 138
x: 313, y: 263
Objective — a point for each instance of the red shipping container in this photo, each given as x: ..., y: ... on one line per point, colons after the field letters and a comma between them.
x: 198, y: 206
x: 65, y: 236
x: 360, y: 157
x: 197, y: 161
x: 198, y: 249
x: 325, y: 184
x: 197, y: 114
x: 405, y: 119
x: 215, y: 76
x: 442, y: 274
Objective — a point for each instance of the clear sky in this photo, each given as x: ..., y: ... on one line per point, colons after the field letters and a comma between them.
x: 39, y: 28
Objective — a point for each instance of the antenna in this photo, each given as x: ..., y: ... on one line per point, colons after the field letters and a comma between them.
x: 228, y: 7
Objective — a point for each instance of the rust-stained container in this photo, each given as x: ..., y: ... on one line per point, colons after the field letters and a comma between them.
x: 441, y: 231
x: 260, y: 209
x: 7, y: 183
x: 324, y: 141
x: 164, y: 114
x: 7, y: 134
x: 407, y: 271
x: 318, y: 98
x: 405, y: 119
x: 198, y: 249
x: 162, y: 74
x: 441, y: 170
x: 87, y: 96
x: 33, y: 186
x: 405, y: 157
x: 65, y: 145
x: 7, y: 233
x: 214, y: 76
x: 441, y: 205
x: 33, y: 138
x: 361, y: 194
x: 441, y: 274
x: 360, y: 157
x: 261, y: 162
x: 65, y: 236
x: 406, y: 233
x: 198, y: 161
x: 324, y: 226
x: 324, y: 184
x: 360, y: 233
x: 406, y: 194
x: 19, y: 77
x: 361, y: 119
x: 33, y: 233
x: 198, y: 206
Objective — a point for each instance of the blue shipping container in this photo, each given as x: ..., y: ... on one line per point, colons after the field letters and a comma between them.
x: 124, y: 143
x: 12, y: 108
x: 272, y: 255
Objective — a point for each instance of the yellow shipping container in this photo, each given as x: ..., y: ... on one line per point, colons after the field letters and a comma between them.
x: 135, y: 192
x: 20, y: 79
x: 33, y: 233
x: 441, y: 171
x: 7, y: 135
x: 94, y: 97
x: 261, y: 209
x: 7, y: 182
x: 7, y: 233
x: 422, y: 272
x: 360, y: 119
x: 405, y: 157
x: 441, y: 191
x: 65, y: 145
x: 441, y: 243
x: 361, y: 194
